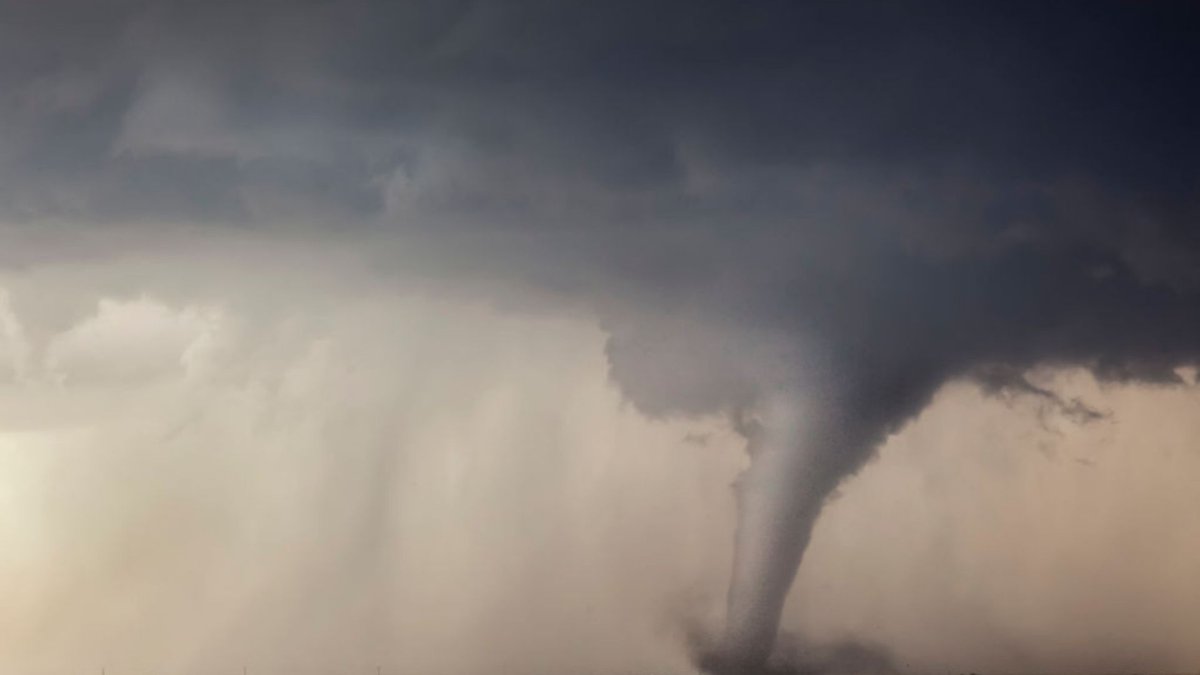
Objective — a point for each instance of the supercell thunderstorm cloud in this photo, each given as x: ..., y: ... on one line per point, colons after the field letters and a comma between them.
x: 280, y: 282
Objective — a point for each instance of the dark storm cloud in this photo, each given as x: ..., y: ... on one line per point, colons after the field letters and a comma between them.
x: 883, y: 198
x: 608, y: 96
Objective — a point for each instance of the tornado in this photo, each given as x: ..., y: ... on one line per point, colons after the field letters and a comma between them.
x: 779, y: 498
x: 803, y: 442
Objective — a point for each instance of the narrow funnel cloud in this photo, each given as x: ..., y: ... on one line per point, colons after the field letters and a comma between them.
x: 779, y: 499
x: 802, y: 443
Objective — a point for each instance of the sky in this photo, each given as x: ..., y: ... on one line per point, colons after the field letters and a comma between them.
x: 531, y: 336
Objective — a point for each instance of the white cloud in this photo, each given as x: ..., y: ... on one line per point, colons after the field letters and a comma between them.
x: 15, y: 352
x: 131, y: 340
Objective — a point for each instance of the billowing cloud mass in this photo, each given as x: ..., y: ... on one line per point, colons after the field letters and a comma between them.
x: 806, y: 218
